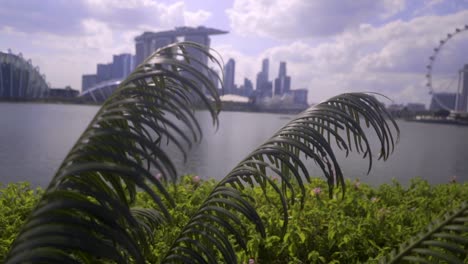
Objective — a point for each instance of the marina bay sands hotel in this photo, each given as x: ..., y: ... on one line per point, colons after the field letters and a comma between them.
x: 100, y: 86
x: 148, y: 42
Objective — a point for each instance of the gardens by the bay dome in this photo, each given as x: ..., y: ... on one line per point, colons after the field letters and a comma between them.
x: 19, y: 79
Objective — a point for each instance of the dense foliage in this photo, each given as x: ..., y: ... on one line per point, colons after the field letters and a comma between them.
x: 366, y: 224
x: 16, y: 202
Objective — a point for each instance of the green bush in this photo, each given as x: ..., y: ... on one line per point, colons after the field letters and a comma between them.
x: 364, y: 225
x: 16, y: 202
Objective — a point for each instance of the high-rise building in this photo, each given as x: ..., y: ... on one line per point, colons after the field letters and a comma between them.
x: 300, y: 96
x: 263, y: 86
x: 121, y: 66
x: 148, y: 42
x: 283, y: 82
x: 248, y: 87
x: 229, y: 77
x: 441, y: 101
x: 104, y: 72
x: 462, y: 94
x: 265, y: 68
x: 88, y: 81
x: 197, y: 54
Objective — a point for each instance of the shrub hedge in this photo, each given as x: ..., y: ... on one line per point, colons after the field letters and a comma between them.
x: 364, y: 225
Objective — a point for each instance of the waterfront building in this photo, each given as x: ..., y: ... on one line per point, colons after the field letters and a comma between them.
x: 149, y: 42
x: 88, y: 81
x: 283, y: 82
x: 109, y: 76
x: 66, y: 92
x: 461, y: 104
x: 440, y: 101
x: 416, y: 107
x: 19, y: 79
x: 121, y: 66
x: 104, y: 72
x: 264, y: 88
x: 229, y: 77
x: 246, y: 89
x: 101, y: 91
x: 300, y: 96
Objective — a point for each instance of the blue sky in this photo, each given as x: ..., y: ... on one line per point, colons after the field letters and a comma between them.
x: 331, y: 46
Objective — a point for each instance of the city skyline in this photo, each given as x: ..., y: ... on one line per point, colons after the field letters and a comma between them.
x: 378, y: 46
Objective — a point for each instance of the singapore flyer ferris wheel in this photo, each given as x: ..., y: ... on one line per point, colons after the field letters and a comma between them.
x: 455, y: 97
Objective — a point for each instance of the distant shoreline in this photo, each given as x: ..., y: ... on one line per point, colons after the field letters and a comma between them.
x: 227, y: 106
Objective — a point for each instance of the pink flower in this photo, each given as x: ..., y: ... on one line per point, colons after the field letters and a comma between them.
x: 251, y: 261
x: 158, y: 176
x: 453, y: 179
x: 357, y: 183
x: 317, y: 191
x: 196, y: 180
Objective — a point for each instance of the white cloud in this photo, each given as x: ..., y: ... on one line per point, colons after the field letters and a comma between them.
x: 196, y: 18
x: 146, y: 13
x: 298, y: 18
x: 389, y: 59
x: 101, y: 28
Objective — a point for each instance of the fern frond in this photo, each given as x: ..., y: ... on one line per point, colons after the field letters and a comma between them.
x: 228, y: 211
x: 85, y: 213
x: 444, y: 241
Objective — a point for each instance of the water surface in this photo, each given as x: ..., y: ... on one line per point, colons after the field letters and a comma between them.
x: 34, y: 139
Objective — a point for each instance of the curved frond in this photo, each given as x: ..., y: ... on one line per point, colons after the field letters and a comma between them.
x: 228, y: 211
x: 85, y: 213
x: 444, y: 241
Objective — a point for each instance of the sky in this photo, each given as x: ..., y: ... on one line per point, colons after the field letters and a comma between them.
x: 330, y: 46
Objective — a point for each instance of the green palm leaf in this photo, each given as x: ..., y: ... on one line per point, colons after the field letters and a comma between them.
x: 227, y: 212
x: 85, y: 214
x: 444, y: 241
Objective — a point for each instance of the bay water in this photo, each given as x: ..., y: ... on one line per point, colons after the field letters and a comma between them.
x: 34, y: 139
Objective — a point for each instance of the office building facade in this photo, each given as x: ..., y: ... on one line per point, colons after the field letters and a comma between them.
x: 264, y: 88
x: 461, y: 103
x: 229, y: 77
x: 441, y: 101
x: 88, y: 81
x: 283, y: 82
x: 149, y: 42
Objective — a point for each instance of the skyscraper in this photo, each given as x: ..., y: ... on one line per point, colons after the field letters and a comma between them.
x: 264, y: 87
x: 104, y: 72
x: 148, y: 42
x: 265, y: 68
x: 88, y: 81
x: 283, y: 82
x: 121, y: 66
x: 229, y: 76
x: 462, y: 94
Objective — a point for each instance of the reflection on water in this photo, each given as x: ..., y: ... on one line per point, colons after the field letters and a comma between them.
x: 34, y: 139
